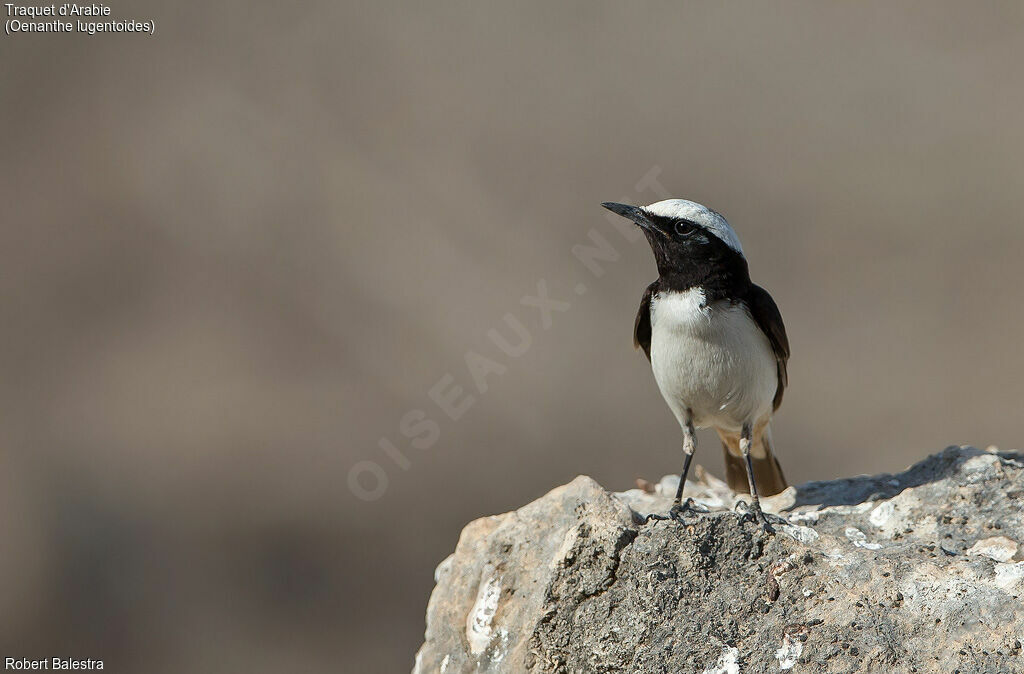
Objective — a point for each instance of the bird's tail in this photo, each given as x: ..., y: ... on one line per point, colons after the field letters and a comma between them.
x: 767, y: 471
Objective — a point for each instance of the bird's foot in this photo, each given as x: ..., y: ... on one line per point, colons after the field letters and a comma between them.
x: 752, y: 512
x: 678, y: 511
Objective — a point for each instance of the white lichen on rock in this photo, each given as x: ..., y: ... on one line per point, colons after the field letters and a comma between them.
x: 860, y: 539
x: 789, y: 653
x: 479, y: 630
x: 727, y: 662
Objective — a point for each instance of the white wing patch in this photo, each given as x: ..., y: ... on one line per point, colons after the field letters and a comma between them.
x: 702, y: 215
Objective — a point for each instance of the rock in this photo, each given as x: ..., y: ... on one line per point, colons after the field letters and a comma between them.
x: 999, y: 548
x: 915, y: 572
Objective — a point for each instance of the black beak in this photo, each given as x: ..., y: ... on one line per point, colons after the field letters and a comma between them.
x: 634, y: 213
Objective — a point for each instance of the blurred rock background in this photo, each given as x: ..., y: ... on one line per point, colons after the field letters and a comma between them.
x: 236, y: 253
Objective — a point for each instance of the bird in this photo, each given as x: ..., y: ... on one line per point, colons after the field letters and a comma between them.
x: 715, y: 341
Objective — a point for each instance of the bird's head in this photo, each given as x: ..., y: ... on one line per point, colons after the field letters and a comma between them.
x: 683, y: 233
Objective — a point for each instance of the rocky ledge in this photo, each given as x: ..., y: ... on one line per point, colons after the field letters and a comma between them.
x: 914, y: 572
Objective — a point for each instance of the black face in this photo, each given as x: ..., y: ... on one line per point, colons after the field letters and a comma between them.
x: 679, y: 245
x: 686, y: 253
x: 684, y: 232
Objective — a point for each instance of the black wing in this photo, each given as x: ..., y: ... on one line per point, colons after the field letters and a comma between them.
x: 642, y: 326
x: 766, y: 315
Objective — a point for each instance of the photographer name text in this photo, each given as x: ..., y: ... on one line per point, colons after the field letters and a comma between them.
x: 51, y: 664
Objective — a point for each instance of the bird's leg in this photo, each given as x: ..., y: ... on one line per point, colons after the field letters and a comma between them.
x: 689, y: 447
x: 755, y: 503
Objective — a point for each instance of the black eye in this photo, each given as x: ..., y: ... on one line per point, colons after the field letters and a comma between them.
x: 684, y: 228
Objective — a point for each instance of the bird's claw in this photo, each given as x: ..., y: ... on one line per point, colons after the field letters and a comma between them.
x: 697, y: 507
x: 677, y: 512
x: 752, y: 512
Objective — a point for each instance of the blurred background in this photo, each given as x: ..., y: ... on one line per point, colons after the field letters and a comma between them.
x: 238, y: 254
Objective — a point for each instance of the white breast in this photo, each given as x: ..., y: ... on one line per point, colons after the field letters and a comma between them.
x: 712, y: 360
